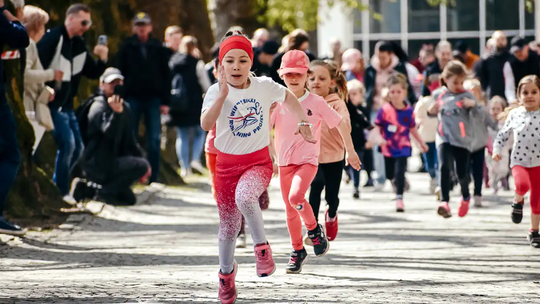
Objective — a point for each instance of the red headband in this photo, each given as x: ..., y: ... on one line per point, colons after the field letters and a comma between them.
x: 235, y: 42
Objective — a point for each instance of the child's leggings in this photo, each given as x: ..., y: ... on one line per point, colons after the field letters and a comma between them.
x: 448, y: 156
x: 295, y: 182
x: 477, y: 168
x: 328, y: 176
x: 395, y: 172
x: 240, y: 181
x: 527, y: 179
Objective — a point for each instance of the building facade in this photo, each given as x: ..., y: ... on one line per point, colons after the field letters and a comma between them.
x: 412, y: 23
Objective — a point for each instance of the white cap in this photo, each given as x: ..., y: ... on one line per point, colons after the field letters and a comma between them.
x: 110, y: 75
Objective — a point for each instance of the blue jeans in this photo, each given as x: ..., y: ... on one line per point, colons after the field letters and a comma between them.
x: 431, y: 160
x: 378, y: 157
x: 70, y: 147
x: 10, y: 157
x: 183, y: 146
x: 152, y: 121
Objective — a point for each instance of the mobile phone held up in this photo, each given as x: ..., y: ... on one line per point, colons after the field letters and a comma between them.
x: 119, y: 90
x: 102, y: 40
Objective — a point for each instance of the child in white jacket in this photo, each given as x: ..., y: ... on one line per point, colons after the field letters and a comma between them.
x: 427, y: 127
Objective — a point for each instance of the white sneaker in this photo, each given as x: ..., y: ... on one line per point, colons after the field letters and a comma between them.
x: 70, y: 200
x: 433, y: 185
x: 241, y: 241
x: 477, y: 201
x: 378, y: 187
x: 184, y: 172
x: 197, y: 166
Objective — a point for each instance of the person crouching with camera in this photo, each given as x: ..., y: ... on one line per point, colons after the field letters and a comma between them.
x: 112, y: 161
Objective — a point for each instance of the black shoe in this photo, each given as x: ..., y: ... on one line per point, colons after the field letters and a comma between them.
x: 298, y: 258
x: 517, y: 213
x: 10, y: 229
x: 127, y: 197
x: 80, y: 190
x: 534, y: 239
x: 356, y: 194
x: 109, y: 199
x: 369, y: 183
x: 319, y: 240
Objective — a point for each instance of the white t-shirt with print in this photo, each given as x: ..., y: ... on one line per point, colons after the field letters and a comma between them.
x: 243, y: 126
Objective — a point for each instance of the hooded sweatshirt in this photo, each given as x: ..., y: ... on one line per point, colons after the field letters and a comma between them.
x: 332, y: 146
x: 427, y: 125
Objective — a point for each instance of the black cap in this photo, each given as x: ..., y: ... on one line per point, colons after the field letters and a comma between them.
x: 386, y: 46
x: 142, y: 18
x: 517, y: 44
x: 462, y: 47
x: 270, y: 47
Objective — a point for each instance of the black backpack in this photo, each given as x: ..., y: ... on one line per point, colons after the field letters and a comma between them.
x: 82, y: 115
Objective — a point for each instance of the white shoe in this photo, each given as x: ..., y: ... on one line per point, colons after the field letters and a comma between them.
x: 184, y: 172
x: 197, y: 166
x: 241, y: 241
x: 378, y: 187
x: 70, y: 200
x: 433, y: 185
x: 477, y: 201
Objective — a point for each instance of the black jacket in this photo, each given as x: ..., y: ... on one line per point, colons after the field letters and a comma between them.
x: 186, y: 66
x: 258, y: 68
x: 145, y: 76
x: 359, y: 123
x: 432, y: 69
x: 14, y: 35
x: 110, y: 135
x: 370, y: 76
x: 276, y: 65
x: 491, y: 74
x: 520, y: 69
x: 70, y: 55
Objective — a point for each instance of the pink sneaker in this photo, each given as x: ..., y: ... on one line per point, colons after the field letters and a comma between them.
x: 444, y: 210
x: 463, y: 207
x: 400, y: 207
x: 265, y: 262
x: 227, y: 287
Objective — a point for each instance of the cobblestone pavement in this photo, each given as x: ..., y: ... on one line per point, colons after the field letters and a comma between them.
x: 166, y: 252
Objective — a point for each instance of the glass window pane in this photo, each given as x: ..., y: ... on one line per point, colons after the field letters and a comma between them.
x: 358, y: 45
x: 463, y: 16
x: 357, y: 15
x: 502, y: 15
x: 423, y: 17
x: 529, y: 16
x: 390, y: 21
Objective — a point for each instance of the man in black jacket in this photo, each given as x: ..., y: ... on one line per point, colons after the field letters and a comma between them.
x: 443, y: 52
x: 491, y: 69
x: 12, y: 34
x: 523, y: 62
x: 112, y: 158
x: 144, y: 62
x: 63, y: 48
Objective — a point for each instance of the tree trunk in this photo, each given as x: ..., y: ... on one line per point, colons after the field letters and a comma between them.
x: 227, y: 13
x: 34, y: 194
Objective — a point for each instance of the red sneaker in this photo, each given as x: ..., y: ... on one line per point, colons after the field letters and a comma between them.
x: 331, y: 226
x: 265, y: 262
x: 463, y: 207
x: 444, y: 210
x: 227, y: 287
x: 400, y: 207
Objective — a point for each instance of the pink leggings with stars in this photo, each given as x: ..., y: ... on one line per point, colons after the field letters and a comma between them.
x: 240, y: 180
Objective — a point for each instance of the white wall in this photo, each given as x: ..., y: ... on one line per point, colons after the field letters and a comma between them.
x: 335, y: 21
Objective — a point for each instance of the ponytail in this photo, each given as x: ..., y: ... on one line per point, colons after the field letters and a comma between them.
x: 335, y: 74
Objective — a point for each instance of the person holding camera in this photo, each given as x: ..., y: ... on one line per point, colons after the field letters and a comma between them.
x: 63, y: 48
x: 112, y: 158
x: 14, y: 35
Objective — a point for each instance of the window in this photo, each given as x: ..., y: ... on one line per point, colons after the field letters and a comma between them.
x: 529, y: 18
x: 502, y: 15
x: 357, y: 25
x: 391, y: 16
x: 423, y: 17
x: 463, y: 16
x: 358, y: 45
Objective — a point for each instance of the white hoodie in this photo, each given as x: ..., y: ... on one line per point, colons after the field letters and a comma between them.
x: 427, y: 126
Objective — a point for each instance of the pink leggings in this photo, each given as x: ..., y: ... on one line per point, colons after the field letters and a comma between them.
x: 528, y: 179
x: 295, y: 182
x: 239, y: 182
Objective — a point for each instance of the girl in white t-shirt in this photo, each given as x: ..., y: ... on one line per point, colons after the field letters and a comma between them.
x: 239, y: 106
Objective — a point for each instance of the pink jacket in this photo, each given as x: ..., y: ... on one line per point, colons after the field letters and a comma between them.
x: 332, y: 146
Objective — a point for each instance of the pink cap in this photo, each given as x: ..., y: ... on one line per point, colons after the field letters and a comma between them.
x: 294, y: 61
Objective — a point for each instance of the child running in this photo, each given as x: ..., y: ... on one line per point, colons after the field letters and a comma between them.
x: 396, y: 123
x: 327, y: 81
x: 239, y: 107
x: 455, y: 108
x: 427, y: 127
x: 497, y: 171
x: 524, y: 123
x: 298, y: 159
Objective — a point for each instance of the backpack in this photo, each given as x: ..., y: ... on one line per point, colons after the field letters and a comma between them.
x: 179, y: 96
x: 82, y: 115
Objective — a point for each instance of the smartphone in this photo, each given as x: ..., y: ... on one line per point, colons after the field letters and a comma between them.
x: 102, y: 40
x: 119, y: 90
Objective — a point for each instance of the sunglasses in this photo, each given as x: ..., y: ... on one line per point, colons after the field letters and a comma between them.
x: 86, y: 23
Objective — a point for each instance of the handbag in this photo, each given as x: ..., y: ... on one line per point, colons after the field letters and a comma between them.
x: 43, y: 113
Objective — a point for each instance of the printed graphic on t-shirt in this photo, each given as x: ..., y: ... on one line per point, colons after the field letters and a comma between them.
x: 395, y: 126
x: 246, y: 118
